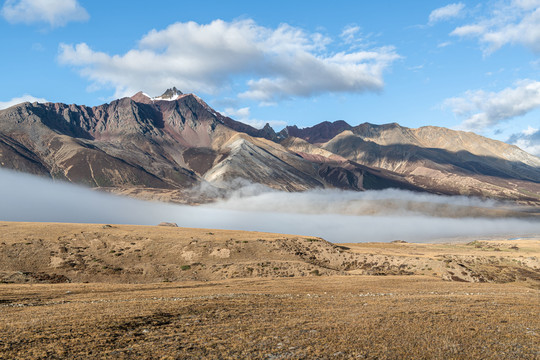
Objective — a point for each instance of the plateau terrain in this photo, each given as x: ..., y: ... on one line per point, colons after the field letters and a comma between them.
x: 52, y: 252
x: 118, y: 291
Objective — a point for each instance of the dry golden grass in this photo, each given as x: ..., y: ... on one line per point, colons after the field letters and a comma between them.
x: 48, y: 252
x: 162, y: 292
x: 314, y: 317
x: 494, y: 260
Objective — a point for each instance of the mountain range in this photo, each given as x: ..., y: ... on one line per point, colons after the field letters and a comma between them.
x: 164, y: 147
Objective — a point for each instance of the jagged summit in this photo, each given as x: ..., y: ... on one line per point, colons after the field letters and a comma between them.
x: 319, y: 133
x: 169, y: 94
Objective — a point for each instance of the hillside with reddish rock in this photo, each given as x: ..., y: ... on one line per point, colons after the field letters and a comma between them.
x: 159, y: 147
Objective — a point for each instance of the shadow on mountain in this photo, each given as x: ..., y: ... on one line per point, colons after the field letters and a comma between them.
x: 463, y: 162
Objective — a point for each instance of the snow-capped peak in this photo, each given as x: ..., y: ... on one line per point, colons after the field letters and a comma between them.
x: 169, y: 95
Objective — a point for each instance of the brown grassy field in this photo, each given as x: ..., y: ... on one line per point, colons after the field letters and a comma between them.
x: 196, y: 293
x: 333, y: 317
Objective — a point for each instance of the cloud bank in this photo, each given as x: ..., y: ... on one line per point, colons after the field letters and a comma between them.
x: 486, y: 109
x: 514, y: 22
x: 446, y: 12
x: 54, y: 12
x: 528, y: 140
x: 278, y: 63
x: 28, y: 198
x: 18, y: 100
x: 394, y: 202
x: 244, y: 115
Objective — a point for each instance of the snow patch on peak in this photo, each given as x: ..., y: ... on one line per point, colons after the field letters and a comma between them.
x: 173, y: 95
x: 173, y: 98
x: 170, y: 94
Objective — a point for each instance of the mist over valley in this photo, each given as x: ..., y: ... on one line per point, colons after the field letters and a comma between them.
x: 338, y: 216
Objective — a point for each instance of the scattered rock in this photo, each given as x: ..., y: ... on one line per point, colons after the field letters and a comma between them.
x: 168, y: 224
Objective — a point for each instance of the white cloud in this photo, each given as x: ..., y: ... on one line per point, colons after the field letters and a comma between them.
x: 239, y: 113
x: 526, y: 4
x: 446, y: 12
x: 467, y: 30
x: 244, y: 115
x: 416, y: 68
x: 485, y: 109
x: 349, y: 33
x: 38, y: 47
x: 18, y: 100
x: 278, y: 63
x: 444, y: 44
x: 54, y: 12
x: 517, y: 22
x: 528, y: 140
x: 259, y: 124
x: 529, y: 131
x: 309, y: 75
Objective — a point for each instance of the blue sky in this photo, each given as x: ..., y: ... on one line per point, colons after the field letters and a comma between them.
x: 464, y: 65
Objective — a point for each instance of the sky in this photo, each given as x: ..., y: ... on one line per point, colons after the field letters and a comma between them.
x: 466, y: 65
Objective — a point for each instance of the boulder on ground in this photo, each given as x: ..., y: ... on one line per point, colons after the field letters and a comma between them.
x: 168, y: 224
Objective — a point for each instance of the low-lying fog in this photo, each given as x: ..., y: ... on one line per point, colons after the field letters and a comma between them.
x: 338, y: 216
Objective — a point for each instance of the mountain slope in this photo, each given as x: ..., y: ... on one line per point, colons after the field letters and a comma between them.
x: 443, y: 160
x: 319, y: 133
x: 154, y: 147
x: 157, y: 147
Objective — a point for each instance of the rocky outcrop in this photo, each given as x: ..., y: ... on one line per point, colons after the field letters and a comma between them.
x: 319, y: 133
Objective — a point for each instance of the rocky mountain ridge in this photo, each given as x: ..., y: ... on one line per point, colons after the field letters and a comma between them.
x: 159, y: 147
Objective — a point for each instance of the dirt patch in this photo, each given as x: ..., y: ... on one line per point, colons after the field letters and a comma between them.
x: 200, y: 160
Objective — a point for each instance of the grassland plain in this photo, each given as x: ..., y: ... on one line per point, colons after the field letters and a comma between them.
x: 197, y: 293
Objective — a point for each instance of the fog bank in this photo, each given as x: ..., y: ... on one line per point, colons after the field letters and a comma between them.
x: 337, y: 216
x: 393, y: 202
